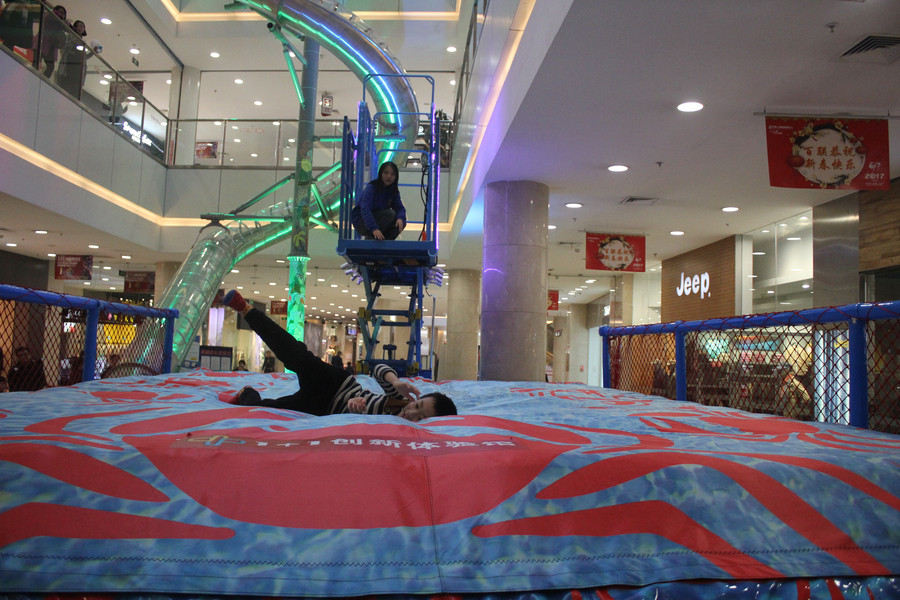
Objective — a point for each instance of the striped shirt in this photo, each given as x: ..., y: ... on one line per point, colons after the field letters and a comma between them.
x: 376, y: 404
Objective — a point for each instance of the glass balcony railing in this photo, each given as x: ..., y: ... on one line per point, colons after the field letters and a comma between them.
x: 76, y: 67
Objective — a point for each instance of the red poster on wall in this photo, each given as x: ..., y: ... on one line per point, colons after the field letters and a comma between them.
x: 73, y: 266
x: 278, y: 307
x: 615, y: 252
x: 552, y: 300
x: 140, y: 282
x: 828, y: 153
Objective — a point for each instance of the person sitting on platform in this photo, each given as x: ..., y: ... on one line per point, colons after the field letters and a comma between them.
x: 326, y: 389
x: 379, y: 214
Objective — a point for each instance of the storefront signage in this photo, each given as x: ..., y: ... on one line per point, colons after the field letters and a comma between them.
x: 828, y: 153
x: 79, y: 315
x: 693, y: 284
x: 615, y: 252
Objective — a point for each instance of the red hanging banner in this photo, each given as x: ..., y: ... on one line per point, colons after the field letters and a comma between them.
x: 552, y: 300
x: 828, y: 153
x: 613, y: 252
x: 72, y: 266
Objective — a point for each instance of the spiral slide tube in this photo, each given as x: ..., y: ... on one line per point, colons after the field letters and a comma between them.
x: 219, y: 248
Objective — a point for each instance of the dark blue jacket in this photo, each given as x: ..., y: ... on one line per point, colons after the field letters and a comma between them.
x: 374, y: 199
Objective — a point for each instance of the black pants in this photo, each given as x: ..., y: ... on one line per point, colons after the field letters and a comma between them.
x: 319, y: 381
x: 387, y: 223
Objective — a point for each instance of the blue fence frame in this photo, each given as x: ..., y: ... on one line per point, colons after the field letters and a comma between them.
x: 93, y: 308
x: 856, y: 316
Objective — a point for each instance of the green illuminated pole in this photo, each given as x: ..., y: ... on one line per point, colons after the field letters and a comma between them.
x: 298, y: 257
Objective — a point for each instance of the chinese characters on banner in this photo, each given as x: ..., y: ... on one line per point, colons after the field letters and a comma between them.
x: 72, y: 266
x: 278, y: 307
x: 613, y: 252
x: 140, y: 282
x: 828, y: 153
x: 552, y: 300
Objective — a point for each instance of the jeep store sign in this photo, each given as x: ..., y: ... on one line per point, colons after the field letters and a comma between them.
x: 699, y: 284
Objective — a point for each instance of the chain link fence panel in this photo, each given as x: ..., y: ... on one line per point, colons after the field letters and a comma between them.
x: 834, y: 365
x: 49, y: 339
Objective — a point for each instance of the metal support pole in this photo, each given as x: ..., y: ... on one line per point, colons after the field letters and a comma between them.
x: 167, y: 346
x: 605, y: 367
x: 680, y: 367
x: 91, y: 325
x: 859, y: 381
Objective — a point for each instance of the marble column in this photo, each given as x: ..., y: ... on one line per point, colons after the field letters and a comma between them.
x: 188, y: 109
x: 514, y: 281
x: 165, y: 271
x: 459, y: 356
x: 579, y: 357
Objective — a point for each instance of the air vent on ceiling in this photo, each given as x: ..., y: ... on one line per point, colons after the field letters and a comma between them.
x: 638, y: 201
x: 881, y: 49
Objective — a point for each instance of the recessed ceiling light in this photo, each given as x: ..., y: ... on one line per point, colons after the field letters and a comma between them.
x: 618, y: 168
x: 237, y: 140
x: 793, y: 239
x: 254, y: 155
x: 135, y: 50
x: 676, y: 233
x: 276, y: 123
x: 451, y: 48
x: 51, y: 254
x: 126, y: 257
x: 41, y: 231
x: 452, y: 82
x: 107, y: 76
x: 106, y: 21
x: 93, y: 246
x: 730, y: 209
x: 104, y: 82
x: 758, y: 253
x: 107, y: 268
x: 257, y: 102
x: 573, y: 205
x: 239, y: 81
x: 168, y: 82
x: 214, y: 54
x: 551, y: 226
x: 11, y: 244
x: 690, y: 106
x: 805, y: 286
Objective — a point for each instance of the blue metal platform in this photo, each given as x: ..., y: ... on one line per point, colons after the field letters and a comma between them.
x: 377, y: 263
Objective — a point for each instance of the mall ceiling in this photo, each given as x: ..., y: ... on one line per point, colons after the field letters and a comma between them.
x: 604, y: 93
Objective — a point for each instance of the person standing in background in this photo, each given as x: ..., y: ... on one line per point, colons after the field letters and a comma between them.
x: 268, y: 365
x: 27, y: 375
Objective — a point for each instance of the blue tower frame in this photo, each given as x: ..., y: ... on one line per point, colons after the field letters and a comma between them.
x: 379, y: 263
